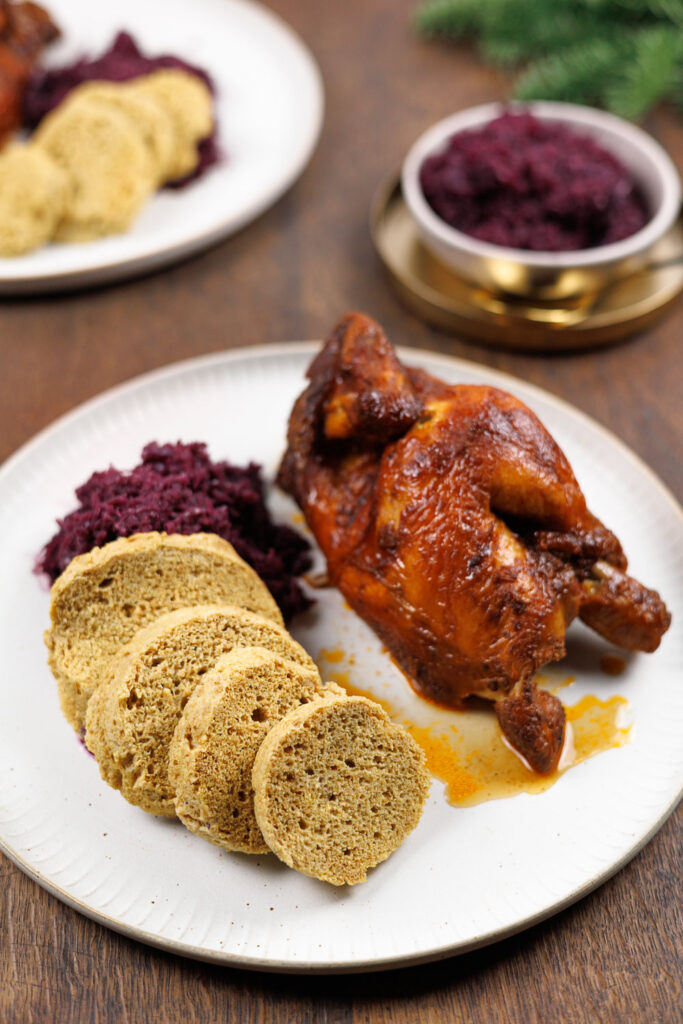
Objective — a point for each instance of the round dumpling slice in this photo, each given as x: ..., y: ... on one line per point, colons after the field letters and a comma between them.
x: 218, y: 736
x: 133, y: 714
x: 109, y: 170
x: 337, y: 788
x: 190, y: 107
x: 33, y: 192
x: 146, y: 113
x: 105, y: 596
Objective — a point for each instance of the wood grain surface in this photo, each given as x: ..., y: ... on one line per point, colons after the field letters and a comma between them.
x: 616, y: 956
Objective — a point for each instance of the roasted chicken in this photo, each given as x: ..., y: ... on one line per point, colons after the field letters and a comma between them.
x: 25, y: 30
x: 453, y: 525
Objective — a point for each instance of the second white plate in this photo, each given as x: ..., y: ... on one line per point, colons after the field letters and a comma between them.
x: 464, y: 877
x: 269, y: 107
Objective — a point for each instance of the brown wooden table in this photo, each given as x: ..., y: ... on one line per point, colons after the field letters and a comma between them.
x: 616, y: 955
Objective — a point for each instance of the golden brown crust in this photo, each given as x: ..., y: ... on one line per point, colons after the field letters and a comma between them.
x: 463, y: 539
x: 533, y: 722
x: 622, y: 610
x: 25, y: 29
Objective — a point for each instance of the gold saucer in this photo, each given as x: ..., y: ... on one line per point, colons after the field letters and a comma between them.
x: 439, y: 296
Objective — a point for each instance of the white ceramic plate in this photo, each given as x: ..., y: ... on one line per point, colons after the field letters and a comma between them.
x: 465, y: 877
x: 269, y: 107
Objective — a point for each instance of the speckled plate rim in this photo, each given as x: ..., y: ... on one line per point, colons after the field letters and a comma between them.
x: 237, y: 961
x: 197, y: 952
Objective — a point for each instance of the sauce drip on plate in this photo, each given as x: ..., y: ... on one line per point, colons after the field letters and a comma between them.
x: 465, y: 749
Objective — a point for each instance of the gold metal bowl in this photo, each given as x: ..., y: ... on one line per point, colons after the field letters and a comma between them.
x: 593, y: 316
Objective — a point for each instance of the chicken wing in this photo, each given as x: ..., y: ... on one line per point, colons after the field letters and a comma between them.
x: 453, y: 525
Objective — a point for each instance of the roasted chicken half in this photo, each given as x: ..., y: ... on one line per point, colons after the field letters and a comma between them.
x: 453, y: 525
x: 25, y: 30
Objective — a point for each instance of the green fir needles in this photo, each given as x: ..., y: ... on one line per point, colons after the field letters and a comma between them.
x: 625, y: 55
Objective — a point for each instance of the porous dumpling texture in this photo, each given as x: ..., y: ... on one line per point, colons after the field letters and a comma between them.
x: 337, y: 788
x: 189, y: 104
x: 104, y: 597
x: 33, y: 192
x: 146, y: 113
x: 109, y: 170
x: 216, y: 740
x: 133, y: 714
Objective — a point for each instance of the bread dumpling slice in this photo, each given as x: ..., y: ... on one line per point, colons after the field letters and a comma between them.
x: 189, y: 104
x: 104, y: 597
x: 133, y: 714
x: 217, y: 738
x: 148, y: 116
x: 109, y: 170
x: 337, y: 788
x: 33, y: 192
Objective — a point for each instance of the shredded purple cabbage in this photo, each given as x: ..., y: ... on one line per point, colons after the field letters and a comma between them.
x: 178, y: 489
x: 122, y: 61
x: 531, y: 184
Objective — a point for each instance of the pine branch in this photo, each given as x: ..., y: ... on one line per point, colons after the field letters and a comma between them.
x: 670, y: 9
x: 446, y: 18
x: 456, y: 18
x: 625, y: 54
x: 650, y: 75
x: 521, y: 32
x: 578, y: 75
x: 655, y: 10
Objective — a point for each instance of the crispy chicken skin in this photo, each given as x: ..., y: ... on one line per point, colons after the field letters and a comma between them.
x: 25, y: 30
x: 453, y: 525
